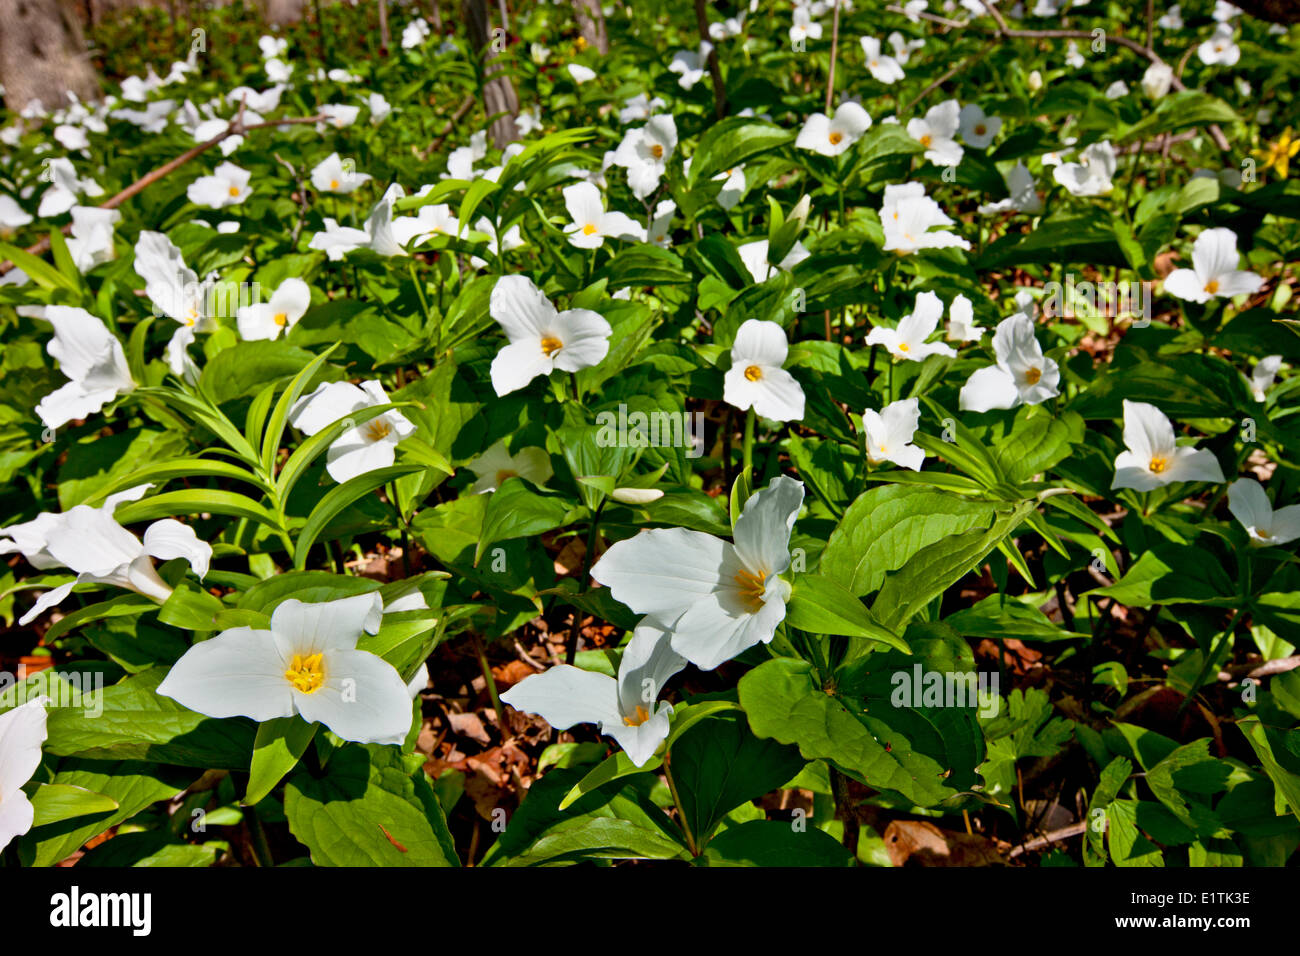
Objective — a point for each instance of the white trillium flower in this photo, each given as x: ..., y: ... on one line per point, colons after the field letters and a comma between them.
x: 591, y: 224
x: 1022, y: 373
x: 378, y: 235
x: 1224, y: 11
x: 277, y: 70
x: 90, y: 542
x: 639, y: 107
x: 1152, y: 458
x: 272, y: 46
x: 379, y: 108
x: 267, y: 320
x: 542, y: 339
x: 12, y: 215
x: 22, y: 731
x: 496, y: 466
x: 1250, y: 505
x: 1092, y: 174
x: 754, y: 256
x: 432, y: 220
x: 176, y: 292
x: 337, y: 241
x: 1023, y: 197
x: 361, y: 448
x: 338, y: 115
x: 756, y: 378
x: 91, y: 242
x: 71, y: 138
x: 885, y: 68
x: 732, y: 191
x: 1157, y: 80
x: 937, y: 132
x: 1219, y: 49
x: 961, y: 322
x: 67, y: 186
x: 909, y: 216
x: 1214, y: 271
x: 1172, y: 19
x: 889, y: 433
x: 728, y: 28
x: 691, y: 65
x: 1117, y: 90
x: 645, y: 152
x: 661, y: 224
x: 306, y: 664
x: 805, y: 27
x: 91, y: 357
x: 625, y: 708
x: 510, y: 240
x: 831, y: 136
x: 1073, y: 58
x: 581, y: 74
x: 908, y: 341
x: 330, y: 176
x: 415, y: 33
x: 976, y: 127
x: 1261, y: 379
x: 716, y: 598
x: 227, y: 186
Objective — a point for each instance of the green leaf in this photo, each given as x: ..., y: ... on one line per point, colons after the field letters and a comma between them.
x: 280, y: 416
x: 1286, y: 782
x: 1170, y: 575
x: 731, y: 142
x: 820, y: 606
x: 774, y: 843
x: 40, y: 271
x: 280, y: 743
x: 56, y: 802
x: 193, y: 501
x: 335, y: 500
x: 370, y: 807
x: 518, y: 509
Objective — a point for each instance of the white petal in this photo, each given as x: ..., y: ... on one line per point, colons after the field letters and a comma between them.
x: 988, y: 388
x: 518, y: 364
x: 302, y: 628
x: 762, y: 531
x: 565, y: 695
x: 22, y: 731
x: 240, y: 672
x: 168, y: 538
x: 521, y: 308
x: 363, y: 698
x: 663, y: 571
x: 1147, y: 432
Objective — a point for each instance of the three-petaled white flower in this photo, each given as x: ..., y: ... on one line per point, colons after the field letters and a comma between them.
x: 756, y: 379
x: 645, y: 152
x: 626, y: 708
x: 889, y: 433
x: 22, y: 731
x: 592, y: 224
x: 227, y: 186
x: 361, y: 448
x: 496, y: 466
x: 1092, y: 174
x: 1152, y: 458
x: 936, y: 131
x: 754, y: 256
x: 1214, y: 271
x: 977, y: 128
x: 885, y: 68
x: 307, y: 664
x: 267, y: 320
x: 1022, y: 372
x: 716, y: 598
x: 90, y: 542
x: 1219, y: 48
x: 91, y: 357
x: 832, y: 135
x: 1021, y: 194
x: 804, y: 27
x: 909, y: 216
x: 1250, y: 505
x: 961, y: 322
x: 908, y: 341
x: 331, y: 175
x: 542, y: 339
x: 1261, y: 378
x: 176, y: 292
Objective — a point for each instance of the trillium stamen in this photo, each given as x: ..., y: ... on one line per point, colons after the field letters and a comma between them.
x: 637, y: 719
x: 1033, y: 374
x: 551, y: 345
x: 752, y: 587
x: 505, y: 473
x: 234, y: 190
x: 657, y: 151
x: 753, y: 373
x: 1212, y: 286
x: 1158, y: 464
x: 307, y: 674
x: 925, y: 140
x: 334, y: 184
x: 589, y: 229
x: 836, y: 137
x: 378, y: 429
x: 280, y: 318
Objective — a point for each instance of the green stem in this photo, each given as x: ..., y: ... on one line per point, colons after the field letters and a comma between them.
x: 1213, y: 652
x: 747, y: 451
x: 681, y: 812
x: 491, y: 683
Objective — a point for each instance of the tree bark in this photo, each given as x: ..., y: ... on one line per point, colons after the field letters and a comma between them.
x: 283, y: 12
x: 43, y: 54
x: 591, y: 23
x: 499, y: 98
x: 385, y: 41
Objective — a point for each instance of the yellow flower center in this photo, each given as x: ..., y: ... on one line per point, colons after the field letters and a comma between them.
x: 334, y: 184
x: 234, y: 190
x: 639, y: 718
x: 657, y: 151
x: 753, y: 373
x: 306, y: 673
x: 836, y: 137
x: 752, y: 586
x: 551, y: 345
x: 1032, y: 375
x: 280, y: 319
x: 904, y: 347
x: 377, y: 428
x: 980, y: 129
x: 505, y: 473
x: 925, y: 140
x: 589, y: 229
x: 1212, y: 286
x: 1158, y: 464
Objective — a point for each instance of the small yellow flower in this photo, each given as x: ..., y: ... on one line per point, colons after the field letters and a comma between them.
x: 1278, y: 155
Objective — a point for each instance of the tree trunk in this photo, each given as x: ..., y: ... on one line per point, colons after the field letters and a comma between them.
x: 283, y: 12
x: 437, y: 17
x: 43, y: 54
x: 499, y: 97
x: 385, y: 41
x: 591, y: 22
